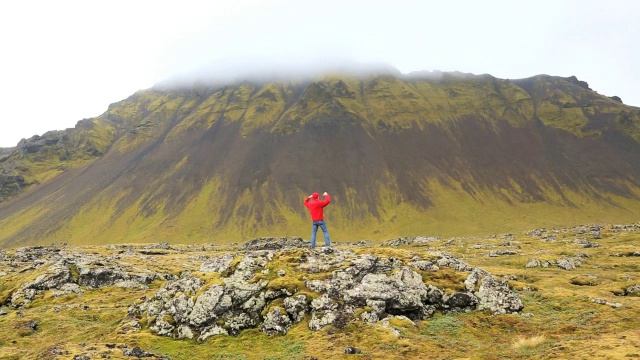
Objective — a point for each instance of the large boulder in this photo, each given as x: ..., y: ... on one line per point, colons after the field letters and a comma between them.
x: 56, y: 275
x: 184, y: 308
x: 493, y: 294
x: 96, y: 274
x: 459, y: 302
x: 403, y: 292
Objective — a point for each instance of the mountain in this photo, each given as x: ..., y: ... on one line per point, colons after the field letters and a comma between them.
x: 426, y: 153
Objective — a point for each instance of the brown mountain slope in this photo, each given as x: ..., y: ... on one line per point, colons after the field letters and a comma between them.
x: 445, y: 154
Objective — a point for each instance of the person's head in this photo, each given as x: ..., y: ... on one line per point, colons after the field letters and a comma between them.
x: 315, y: 196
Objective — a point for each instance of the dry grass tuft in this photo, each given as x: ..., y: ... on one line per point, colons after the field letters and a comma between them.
x: 528, y: 343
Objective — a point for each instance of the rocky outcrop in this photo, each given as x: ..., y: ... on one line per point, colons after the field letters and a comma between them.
x: 412, y: 241
x: 11, y: 184
x: 182, y: 309
x: 493, y: 294
x: 566, y: 263
x: 267, y: 243
x: 539, y: 263
x: 50, y: 151
x: 66, y: 273
x: 255, y: 289
x: 358, y: 288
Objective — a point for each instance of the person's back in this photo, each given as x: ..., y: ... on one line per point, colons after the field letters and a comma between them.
x: 316, y: 206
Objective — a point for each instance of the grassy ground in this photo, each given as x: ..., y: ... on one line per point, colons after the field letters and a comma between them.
x: 561, y: 319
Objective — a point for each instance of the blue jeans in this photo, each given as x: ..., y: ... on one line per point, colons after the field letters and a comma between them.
x: 321, y: 224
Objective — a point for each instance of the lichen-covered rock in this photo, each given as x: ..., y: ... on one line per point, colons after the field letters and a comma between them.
x: 605, y: 302
x: 250, y: 262
x: 32, y: 253
x: 377, y: 312
x: 70, y: 271
x: 539, y: 263
x: 22, y: 297
x: 68, y: 288
x: 162, y: 326
x: 161, y: 245
x: 218, y: 264
x: 96, y: 275
x: 633, y: 290
x: 459, y: 302
x: 297, y: 307
x: 210, y: 331
x: 206, y: 307
x: 138, y: 353
x: 131, y: 284
x: 493, y: 294
x: 173, y: 301
x: 533, y: 263
x: 130, y: 327
x: 403, y: 292
x: 238, y: 320
x: 236, y: 302
x: 373, y: 287
x: 414, y: 241
x: 56, y: 275
x: 454, y: 263
x: 276, y: 322
x: 316, y: 262
x: 424, y: 265
x: 268, y: 243
x: 184, y: 332
x: 325, y: 311
x: 569, y: 263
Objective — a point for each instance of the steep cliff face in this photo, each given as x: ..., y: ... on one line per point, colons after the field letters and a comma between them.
x: 401, y: 155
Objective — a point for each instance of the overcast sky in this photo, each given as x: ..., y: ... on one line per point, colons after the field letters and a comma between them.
x: 62, y: 61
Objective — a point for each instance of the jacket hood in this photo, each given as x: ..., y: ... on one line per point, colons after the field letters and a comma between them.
x: 315, y: 196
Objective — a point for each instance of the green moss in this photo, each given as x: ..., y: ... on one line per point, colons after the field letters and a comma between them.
x: 74, y: 271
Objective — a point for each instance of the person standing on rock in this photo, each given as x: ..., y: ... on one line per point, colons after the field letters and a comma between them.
x: 315, y: 207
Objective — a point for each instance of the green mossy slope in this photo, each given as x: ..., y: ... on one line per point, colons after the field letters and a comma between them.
x: 442, y: 154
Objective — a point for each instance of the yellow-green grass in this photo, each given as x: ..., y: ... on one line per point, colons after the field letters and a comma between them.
x: 454, y: 212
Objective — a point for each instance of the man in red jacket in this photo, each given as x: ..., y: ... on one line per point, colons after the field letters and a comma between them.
x: 315, y: 207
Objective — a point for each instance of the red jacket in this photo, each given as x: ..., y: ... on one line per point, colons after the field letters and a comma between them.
x: 315, y: 207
